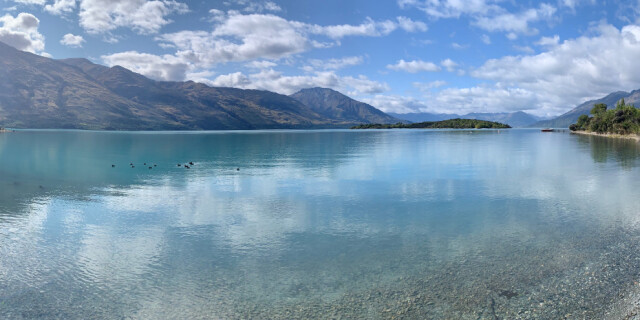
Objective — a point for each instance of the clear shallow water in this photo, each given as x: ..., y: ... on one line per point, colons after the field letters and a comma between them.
x: 317, y: 224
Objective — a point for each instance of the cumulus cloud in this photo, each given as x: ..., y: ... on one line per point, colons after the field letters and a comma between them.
x: 449, y: 64
x: 457, y: 100
x: 409, y: 25
x: 485, y: 14
x: 72, y: 40
x: 451, y: 8
x: 238, y: 37
x: 262, y: 64
x: 38, y: 2
x: 234, y: 80
x: 335, y: 64
x: 548, y: 41
x: 165, y: 67
x: 414, y: 66
x: 395, y: 103
x: 578, y: 69
x: 545, y: 84
x: 422, y: 86
x: 516, y: 23
x: 368, y: 28
x: 255, y: 6
x: 482, y: 99
x: 142, y: 16
x: 60, y: 6
x: 21, y: 32
x: 275, y: 81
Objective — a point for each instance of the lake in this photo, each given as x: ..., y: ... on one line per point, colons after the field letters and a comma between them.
x: 425, y: 224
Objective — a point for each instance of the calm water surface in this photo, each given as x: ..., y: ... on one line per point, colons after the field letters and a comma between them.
x: 317, y: 224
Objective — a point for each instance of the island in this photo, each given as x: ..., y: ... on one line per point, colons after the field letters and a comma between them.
x: 444, y: 124
x: 623, y: 121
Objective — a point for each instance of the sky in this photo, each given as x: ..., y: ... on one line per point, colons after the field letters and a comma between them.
x: 442, y: 56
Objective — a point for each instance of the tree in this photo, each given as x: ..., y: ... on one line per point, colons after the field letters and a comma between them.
x: 599, y: 108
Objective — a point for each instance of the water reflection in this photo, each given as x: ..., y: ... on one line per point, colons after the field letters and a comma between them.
x: 625, y: 152
x: 315, y: 223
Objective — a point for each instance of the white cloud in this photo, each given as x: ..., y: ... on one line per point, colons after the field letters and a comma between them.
x: 482, y: 99
x: 458, y: 46
x: 548, y: 41
x: 165, y: 67
x: 255, y: 6
x: 422, y: 86
x: 573, y: 71
x: 369, y: 28
x: 244, y: 37
x: 409, y: 25
x: 263, y: 64
x: 414, y: 66
x: 449, y: 64
x: 240, y: 38
x: 450, y: 8
x: 38, y: 2
x: 60, y: 6
x: 516, y: 23
x: 234, y: 80
x: 21, y: 32
x: 72, y: 40
x: 457, y: 100
x: 142, y: 16
x: 399, y: 104
x: 335, y: 64
x: 277, y: 82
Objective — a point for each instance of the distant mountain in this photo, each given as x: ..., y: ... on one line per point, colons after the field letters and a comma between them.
x: 38, y: 92
x: 424, y: 116
x: 565, y: 120
x: 335, y: 105
x: 514, y: 119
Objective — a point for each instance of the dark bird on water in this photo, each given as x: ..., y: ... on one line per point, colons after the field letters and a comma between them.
x: 191, y: 163
x: 150, y: 167
x: 131, y: 163
x: 113, y: 166
x: 237, y: 169
x: 186, y: 166
x: 155, y: 165
x: 179, y: 165
x: 145, y: 163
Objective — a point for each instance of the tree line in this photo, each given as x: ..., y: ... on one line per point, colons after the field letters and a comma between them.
x: 445, y: 124
x: 624, y: 119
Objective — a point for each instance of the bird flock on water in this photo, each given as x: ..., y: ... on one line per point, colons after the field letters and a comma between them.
x: 151, y: 166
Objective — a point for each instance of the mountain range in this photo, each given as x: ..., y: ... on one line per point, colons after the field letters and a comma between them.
x: 334, y: 105
x: 570, y: 117
x: 514, y: 119
x: 39, y: 92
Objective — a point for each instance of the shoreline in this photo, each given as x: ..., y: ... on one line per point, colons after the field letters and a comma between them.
x: 609, y: 135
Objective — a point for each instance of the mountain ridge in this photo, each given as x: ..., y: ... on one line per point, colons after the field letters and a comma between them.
x: 75, y: 93
x: 571, y: 116
x: 514, y: 119
x: 333, y: 104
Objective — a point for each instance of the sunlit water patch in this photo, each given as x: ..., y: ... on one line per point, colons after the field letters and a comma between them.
x: 317, y: 224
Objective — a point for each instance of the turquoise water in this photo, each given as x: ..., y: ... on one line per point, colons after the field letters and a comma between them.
x: 317, y: 224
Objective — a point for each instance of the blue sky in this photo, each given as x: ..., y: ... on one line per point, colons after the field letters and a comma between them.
x: 449, y: 56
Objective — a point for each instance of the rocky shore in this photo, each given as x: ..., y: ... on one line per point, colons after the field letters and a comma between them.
x: 609, y: 135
